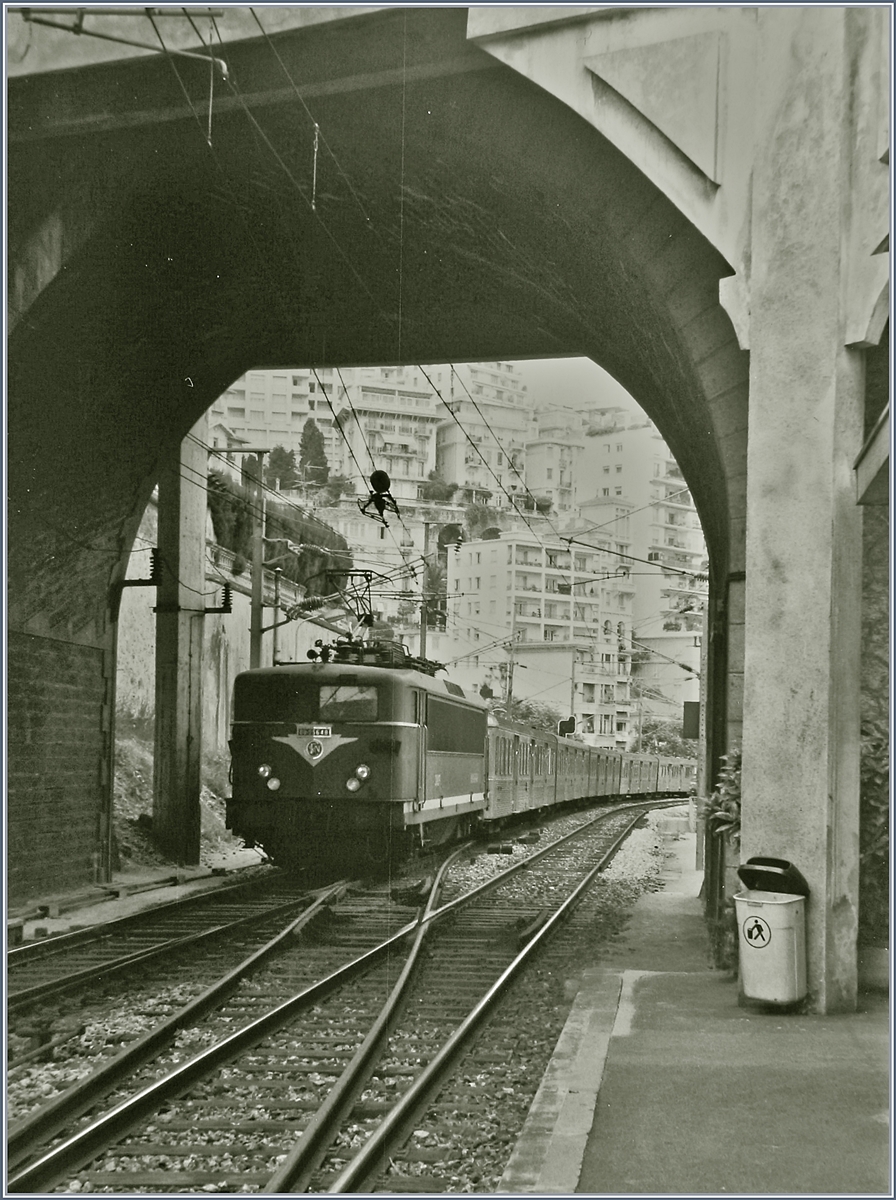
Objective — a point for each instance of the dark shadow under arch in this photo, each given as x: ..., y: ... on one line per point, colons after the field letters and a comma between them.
x: 484, y: 220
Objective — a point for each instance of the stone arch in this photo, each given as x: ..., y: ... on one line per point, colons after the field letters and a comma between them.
x: 484, y: 220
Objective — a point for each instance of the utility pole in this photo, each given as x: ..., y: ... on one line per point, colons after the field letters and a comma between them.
x: 278, y: 571
x: 572, y: 685
x: 255, y: 620
x: 423, y: 600
x: 509, y: 699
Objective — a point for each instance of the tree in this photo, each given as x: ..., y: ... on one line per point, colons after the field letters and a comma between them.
x: 436, y: 489
x: 530, y: 712
x: 305, y: 548
x: 336, y: 486
x: 230, y: 507
x: 663, y: 738
x: 313, y: 466
x: 478, y: 517
x: 281, y: 472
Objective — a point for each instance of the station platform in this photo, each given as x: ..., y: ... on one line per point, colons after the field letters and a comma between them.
x: 662, y: 1083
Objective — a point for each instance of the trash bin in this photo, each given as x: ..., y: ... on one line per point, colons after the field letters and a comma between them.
x: 771, y: 922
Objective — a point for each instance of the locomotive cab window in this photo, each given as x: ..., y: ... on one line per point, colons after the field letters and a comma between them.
x: 294, y: 698
x: 347, y: 704
x: 279, y: 698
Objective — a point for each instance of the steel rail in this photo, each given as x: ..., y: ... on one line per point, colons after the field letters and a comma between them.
x: 53, y: 987
x: 31, y: 1131
x: 83, y: 1146
x: 294, y: 1173
x: 363, y: 1169
x: 60, y: 942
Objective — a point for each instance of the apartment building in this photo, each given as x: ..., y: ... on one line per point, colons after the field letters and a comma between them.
x: 552, y: 460
x: 538, y: 619
x: 270, y: 408
x: 486, y: 423
x: 628, y: 464
x: 388, y: 427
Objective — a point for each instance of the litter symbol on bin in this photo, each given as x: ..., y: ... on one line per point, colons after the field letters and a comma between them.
x: 757, y: 932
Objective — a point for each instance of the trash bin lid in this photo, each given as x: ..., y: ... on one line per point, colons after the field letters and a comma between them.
x: 772, y: 875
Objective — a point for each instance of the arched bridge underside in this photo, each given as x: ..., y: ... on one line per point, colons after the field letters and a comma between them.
x: 474, y: 196
x: 460, y: 213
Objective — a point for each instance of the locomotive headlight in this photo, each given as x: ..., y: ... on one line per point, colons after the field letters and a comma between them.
x: 273, y: 785
x: 353, y: 784
x: 265, y: 770
x: 362, y: 771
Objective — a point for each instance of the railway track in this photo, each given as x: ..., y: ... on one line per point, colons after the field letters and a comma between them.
x: 41, y: 969
x: 320, y: 1043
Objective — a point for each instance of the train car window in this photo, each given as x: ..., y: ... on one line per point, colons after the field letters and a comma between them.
x: 524, y: 758
x: 503, y: 756
x: 451, y: 727
x: 347, y: 703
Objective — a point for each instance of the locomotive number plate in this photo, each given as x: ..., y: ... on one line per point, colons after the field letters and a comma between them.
x: 314, y: 731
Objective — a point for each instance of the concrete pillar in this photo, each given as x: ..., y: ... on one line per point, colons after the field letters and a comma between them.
x: 179, y: 642
x: 803, y: 587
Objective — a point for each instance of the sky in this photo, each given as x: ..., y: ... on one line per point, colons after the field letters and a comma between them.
x: 573, y: 383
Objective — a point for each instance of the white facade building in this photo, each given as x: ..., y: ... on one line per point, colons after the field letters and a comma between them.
x: 625, y: 459
x: 532, y: 617
x: 553, y: 457
x: 270, y: 408
x: 487, y: 421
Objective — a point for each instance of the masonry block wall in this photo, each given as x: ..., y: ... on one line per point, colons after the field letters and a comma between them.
x: 55, y: 697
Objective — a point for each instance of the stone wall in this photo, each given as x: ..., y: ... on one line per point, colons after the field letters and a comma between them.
x: 55, y: 695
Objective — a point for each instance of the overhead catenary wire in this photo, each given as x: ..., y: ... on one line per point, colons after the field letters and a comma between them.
x: 311, y: 118
x: 303, y: 193
x: 366, y: 447
x: 495, y: 439
x: 300, y: 190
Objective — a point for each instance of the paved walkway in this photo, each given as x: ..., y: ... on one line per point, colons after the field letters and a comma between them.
x: 663, y: 1084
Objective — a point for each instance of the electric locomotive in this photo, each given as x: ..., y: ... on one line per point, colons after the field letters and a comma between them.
x: 354, y: 760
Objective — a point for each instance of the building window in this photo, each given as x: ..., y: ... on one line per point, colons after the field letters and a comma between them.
x: 619, y: 470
